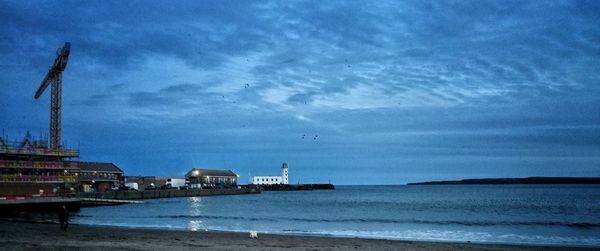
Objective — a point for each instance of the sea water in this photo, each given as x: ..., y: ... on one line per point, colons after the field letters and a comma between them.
x: 532, y: 214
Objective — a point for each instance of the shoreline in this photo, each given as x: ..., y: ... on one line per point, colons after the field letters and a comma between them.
x: 20, y: 235
x: 294, y: 234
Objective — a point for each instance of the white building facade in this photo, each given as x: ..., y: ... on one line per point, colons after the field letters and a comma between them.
x: 273, y: 180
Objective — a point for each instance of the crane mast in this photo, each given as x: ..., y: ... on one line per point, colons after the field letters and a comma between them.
x: 54, y: 77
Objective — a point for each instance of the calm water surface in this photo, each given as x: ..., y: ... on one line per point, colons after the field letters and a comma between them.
x: 558, y: 214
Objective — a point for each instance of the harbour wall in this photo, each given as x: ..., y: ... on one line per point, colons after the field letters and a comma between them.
x: 295, y: 187
x: 8, y: 207
x: 43, y: 204
x: 155, y: 194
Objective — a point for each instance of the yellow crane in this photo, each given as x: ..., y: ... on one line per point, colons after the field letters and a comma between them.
x: 54, y: 77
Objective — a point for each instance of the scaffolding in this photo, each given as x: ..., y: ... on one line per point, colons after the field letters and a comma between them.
x: 30, y: 167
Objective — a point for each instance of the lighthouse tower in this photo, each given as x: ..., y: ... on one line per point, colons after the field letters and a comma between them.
x: 284, y: 173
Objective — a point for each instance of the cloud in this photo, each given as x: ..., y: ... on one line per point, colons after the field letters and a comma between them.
x: 173, y: 96
x: 495, y: 47
x: 381, y: 80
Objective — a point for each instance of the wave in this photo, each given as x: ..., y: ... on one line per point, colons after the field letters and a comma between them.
x: 395, y: 221
x: 216, y: 217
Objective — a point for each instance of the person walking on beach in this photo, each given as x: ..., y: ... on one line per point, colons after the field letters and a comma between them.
x: 63, y: 217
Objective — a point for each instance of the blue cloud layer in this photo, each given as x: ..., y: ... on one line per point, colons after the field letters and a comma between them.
x: 436, y: 89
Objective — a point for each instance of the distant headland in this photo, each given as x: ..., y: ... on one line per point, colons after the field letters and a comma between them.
x: 515, y: 181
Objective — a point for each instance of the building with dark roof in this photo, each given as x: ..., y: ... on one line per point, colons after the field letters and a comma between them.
x: 209, y: 178
x: 99, y: 176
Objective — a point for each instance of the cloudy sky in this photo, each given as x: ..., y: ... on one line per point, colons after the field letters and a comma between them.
x: 350, y: 92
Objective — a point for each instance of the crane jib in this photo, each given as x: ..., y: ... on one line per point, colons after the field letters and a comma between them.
x: 60, y: 63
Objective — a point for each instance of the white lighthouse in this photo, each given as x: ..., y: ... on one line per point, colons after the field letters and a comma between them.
x: 284, y: 173
x: 273, y: 180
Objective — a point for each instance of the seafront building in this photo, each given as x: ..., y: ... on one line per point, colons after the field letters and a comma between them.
x: 98, y: 176
x: 30, y: 168
x: 273, y: 180
x: 209, y: 178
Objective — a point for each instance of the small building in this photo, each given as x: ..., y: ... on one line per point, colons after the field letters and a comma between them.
x: 141, y: 182
x: 169, y: 182
x: 267, y: 180
x: 273, y: 180
x: 154, y: 182
x: 208, y: 178
x: 98, y: 176
x: 174, y: 182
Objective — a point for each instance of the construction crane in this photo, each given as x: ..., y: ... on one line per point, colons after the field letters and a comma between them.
x: 54, y: 77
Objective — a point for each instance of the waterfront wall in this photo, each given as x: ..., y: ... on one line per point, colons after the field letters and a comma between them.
x: 8, y: 207
x: 154, y: 194
x: 286, y: 187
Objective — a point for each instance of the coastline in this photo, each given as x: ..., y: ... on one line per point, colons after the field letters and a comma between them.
x: 47, y: 236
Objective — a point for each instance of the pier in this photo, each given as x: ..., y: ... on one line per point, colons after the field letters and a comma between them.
x: 298, y: 187
x: 76, y: 201
x: 155, y: 194
x: 33, y: 204
x: 106, y: 202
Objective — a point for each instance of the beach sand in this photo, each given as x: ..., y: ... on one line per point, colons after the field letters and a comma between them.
x: 45, y: 236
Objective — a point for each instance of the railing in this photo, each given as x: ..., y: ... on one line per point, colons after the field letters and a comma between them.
x: 40, y: 151
x: 15, y: 178
x: 37, y: 164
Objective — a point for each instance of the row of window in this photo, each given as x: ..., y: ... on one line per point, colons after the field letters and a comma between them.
x: 57, y: 172
x: 212, y: 179
x: 34, y: 164
x: 45, y: 172
x: 267, y: 179
x: 36, y: 179
x: 101, y: 175
x: 218, y: 179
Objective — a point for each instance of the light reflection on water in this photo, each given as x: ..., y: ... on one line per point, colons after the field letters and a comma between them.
x: 195, y: 205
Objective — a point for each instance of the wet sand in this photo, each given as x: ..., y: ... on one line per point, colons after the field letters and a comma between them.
x: 45, y: 236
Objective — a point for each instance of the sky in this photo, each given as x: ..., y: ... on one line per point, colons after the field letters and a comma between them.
x: 348, y: 92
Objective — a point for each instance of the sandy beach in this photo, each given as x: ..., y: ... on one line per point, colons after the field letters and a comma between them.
x: 47, y: 236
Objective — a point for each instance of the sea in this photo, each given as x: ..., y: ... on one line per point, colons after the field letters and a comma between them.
x: 516, y: 214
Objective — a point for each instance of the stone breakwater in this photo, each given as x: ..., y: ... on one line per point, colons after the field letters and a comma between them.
x: 155, y: 194
x: 74, y: 202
